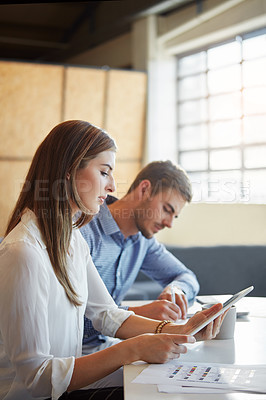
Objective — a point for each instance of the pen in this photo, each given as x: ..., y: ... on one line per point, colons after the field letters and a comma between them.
x: 172, y: 293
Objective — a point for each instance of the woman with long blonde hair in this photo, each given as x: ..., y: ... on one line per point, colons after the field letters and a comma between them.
x: 48, y: 281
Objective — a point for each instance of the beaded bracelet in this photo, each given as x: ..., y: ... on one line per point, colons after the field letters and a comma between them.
x: 161, y: 325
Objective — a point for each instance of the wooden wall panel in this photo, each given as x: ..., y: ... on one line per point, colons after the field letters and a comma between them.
x: 85, y: 94
x: 12, y: 175
x: 36, y: 97
x: 30, y: 103
x: 125, y: 112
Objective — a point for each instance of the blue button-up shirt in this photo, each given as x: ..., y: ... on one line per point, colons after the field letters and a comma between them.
x: 119, y: 259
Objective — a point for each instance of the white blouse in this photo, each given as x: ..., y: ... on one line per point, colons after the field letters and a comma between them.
x: 40, y: 330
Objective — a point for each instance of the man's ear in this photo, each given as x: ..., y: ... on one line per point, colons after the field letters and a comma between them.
x: 144, y: 189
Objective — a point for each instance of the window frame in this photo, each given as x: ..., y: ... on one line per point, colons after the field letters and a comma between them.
x: 242, y: 146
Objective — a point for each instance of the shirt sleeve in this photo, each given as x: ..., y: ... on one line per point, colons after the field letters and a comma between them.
x: 106, y: 316
x: 24, y: 294
x: 160, y: 265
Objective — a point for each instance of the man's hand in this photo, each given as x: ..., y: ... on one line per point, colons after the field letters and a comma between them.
x: 180, y: 299
x: 158, y: 309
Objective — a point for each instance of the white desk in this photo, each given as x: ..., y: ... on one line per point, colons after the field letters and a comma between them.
x: 248, y: 347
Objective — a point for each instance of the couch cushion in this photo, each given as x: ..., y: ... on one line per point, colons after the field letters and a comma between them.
x: 219, y: 269
x: 226, y: 269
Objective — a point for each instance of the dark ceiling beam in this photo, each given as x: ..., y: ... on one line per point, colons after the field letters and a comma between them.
x: 40, y: 2
x: 32, y: 28
x: 86, y: 14
x: 32, y: 42
x: 106, y: 21
x: 85, y: 17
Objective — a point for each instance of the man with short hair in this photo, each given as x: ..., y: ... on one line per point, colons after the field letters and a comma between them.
x: 121, y: 241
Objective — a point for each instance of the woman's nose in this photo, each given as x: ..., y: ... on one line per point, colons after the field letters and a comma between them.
x: 111, y: 185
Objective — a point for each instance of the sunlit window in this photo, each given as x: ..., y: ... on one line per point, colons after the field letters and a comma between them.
x: 222, y: 120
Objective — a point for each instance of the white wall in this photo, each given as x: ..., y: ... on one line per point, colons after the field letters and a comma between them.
x: 217, y: 224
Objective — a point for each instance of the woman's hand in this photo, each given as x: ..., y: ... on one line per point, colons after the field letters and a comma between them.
x: 211, y: 330
x: 157, y: 348
x: 207, y: 333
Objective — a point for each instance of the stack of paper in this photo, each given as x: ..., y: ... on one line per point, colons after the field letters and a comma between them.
x: 186, y: 377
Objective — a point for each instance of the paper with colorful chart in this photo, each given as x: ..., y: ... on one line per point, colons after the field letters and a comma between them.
x: 208, y: 375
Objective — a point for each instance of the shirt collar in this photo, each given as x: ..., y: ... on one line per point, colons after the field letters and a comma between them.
x: 106, y: 219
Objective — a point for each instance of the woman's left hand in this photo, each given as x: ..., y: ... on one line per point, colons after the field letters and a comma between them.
x: 206, y: 333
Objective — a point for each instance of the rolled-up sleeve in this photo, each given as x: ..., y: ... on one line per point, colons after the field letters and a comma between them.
x: 106, y: 316
x: 62, y: 370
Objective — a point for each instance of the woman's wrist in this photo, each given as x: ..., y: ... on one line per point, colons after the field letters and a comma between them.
x: 160, y: 326
x: 174, y: 328
x: 128, y: 350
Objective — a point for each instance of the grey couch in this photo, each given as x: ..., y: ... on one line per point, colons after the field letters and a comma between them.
x: 220, y: 270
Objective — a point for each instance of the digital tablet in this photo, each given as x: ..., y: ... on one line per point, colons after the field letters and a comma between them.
x: 226, y: 305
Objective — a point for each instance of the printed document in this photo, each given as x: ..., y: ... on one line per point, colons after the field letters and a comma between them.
x: 206, y: 375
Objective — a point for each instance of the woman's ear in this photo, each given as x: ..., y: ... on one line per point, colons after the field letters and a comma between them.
x: 68, y: 176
